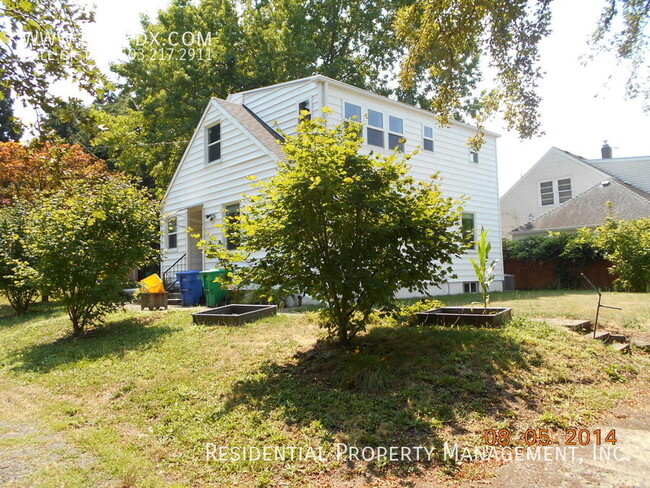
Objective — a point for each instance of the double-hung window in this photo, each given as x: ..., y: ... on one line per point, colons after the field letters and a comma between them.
x: 468, y: 229
x: 375, y: 128
x: 231, y: 221
x: 172, y: 233
x: 395, y: 133
x: 353, y: 112
x: 427, y: 138
x: 214, y: 143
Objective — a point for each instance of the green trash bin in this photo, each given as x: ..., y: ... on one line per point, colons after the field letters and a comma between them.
x: 214, y: 293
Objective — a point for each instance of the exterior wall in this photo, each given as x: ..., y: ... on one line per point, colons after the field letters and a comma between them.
x: 214, y: 185
x: 523, y: 200
x: 219, y: 184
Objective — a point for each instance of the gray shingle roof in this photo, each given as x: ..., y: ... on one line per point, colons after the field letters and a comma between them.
x: 591, y: 208
x: 256, y: 126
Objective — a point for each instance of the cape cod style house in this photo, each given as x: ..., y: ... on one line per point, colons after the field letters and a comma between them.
x: 237, y: 138
x: 564, y: 192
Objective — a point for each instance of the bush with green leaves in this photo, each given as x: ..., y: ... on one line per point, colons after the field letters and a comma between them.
x: 19, y: 280
x: 348, y: 229
x: 85, y: 240
x: 626, y: 243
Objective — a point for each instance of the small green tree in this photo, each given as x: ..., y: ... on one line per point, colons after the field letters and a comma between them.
x: 484, y: 271
x: 347, y: 228
x: 626, y: 243
x: 19, y: 279
x: 86, y: 239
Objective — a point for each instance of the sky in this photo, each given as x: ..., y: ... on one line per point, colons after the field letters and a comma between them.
x: 583, y: 105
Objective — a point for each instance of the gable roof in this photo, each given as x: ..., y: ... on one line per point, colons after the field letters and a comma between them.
x: 260, y: 132
x: 634, y: 171
x: 590, y: 208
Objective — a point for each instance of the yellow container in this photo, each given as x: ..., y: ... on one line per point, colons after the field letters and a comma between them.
x: 153, y: 284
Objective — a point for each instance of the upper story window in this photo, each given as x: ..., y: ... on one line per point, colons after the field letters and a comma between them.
x: 473, y: 157
x: 352, y: 111
x: 303, y: 107
x: 558, y: 191
x: 214, y: 143
x: 427, y: 138
x: 564, y: 190
x: 395, y: 133
x: 375, y: 128
x: 546, y: 193
x: 468, y: 229
x: 172, y: 233
x: 231, y: 220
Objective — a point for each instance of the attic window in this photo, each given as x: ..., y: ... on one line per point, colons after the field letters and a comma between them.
x: 564, y: 190
x: 214, y: 143
x: 304, y: 107
x: 546, y: 193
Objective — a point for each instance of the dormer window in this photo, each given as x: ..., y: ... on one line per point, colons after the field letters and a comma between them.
x: 214, y: 143
x: 395, y: 133
x: 375, y: 128
x: 302, y: 108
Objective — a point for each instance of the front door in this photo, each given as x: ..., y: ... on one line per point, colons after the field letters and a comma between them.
x: 195, y: 233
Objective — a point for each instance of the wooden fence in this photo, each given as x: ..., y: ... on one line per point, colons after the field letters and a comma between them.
x: 552, y: 274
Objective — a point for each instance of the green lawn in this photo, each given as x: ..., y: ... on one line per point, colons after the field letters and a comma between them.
x: 134, y: 402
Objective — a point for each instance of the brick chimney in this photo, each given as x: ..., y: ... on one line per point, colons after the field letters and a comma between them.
x: 606, y: 151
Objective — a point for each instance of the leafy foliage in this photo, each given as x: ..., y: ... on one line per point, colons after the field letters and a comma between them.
x: 19, y: 280
x: 27, y: 171
x: 626, y: 243
x: 484, y: 271
x: 10, y: 129
x: 41, y: 42
x: 348, y: 229
x: 86, y: 238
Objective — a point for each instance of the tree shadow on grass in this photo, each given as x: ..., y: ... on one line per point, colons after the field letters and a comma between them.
x: 113, y: 339
x: 8, y: 317
x: 397, y: 387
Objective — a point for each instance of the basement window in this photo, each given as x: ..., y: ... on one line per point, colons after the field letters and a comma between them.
x: 470, y: 287
x: 214, y: 143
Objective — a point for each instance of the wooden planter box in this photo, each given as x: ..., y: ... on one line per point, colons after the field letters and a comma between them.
x: 153, y: 301
x: 477, y: 316
x: 234, y: 314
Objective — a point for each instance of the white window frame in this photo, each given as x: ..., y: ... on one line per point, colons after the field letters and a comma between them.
x: 559, y: 192
x: 377, y: 128
x: 425, y: 138
x: 392, y: 132
x: 208, y: 144
x: 473, y: 214
x: 474, y: 157
x: 471, y: 285
x: 306, y: 102
x: 226, y: 215
x: 168, y: 234
x: 345, y: 117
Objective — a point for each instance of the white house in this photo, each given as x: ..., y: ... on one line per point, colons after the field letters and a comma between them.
x: 237, y: 137
x: 563, y: 192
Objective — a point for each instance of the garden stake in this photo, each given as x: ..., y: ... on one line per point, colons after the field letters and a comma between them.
x: 599, y: 304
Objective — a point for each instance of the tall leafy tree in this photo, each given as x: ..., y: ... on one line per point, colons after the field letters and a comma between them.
x: 10, y: 129
x: 447, y: 37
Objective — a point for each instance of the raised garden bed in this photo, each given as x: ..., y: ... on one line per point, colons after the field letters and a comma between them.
x: 234, y: 314
x: 477, y: 316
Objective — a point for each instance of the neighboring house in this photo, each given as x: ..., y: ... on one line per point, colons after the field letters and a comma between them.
x: 237, y: 138
x: 564, y: 192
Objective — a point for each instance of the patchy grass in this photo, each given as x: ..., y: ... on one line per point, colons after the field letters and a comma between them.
x: 134, y: 402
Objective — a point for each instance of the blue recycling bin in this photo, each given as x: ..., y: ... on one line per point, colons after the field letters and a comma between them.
x: 191, y: 287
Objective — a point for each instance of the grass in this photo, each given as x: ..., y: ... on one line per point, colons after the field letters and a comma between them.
x: 134, y: 402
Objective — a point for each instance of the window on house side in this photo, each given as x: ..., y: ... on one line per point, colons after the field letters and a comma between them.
x: 352, y: 111
x: 427, y: 138
x: 230, y: 221
x: 546, y: 193
x: 473, y: 157
x: 375, y: 128
x: 470, y: 287
x: 172, y: 233
x: 214, y: 143
x: 304, y: 107
x: 395, y: 133
x: 564, y: 190
x: 468, y: 228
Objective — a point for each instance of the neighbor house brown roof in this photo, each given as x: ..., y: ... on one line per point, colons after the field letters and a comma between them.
x: 256, y: 126
x: 589, y: 209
